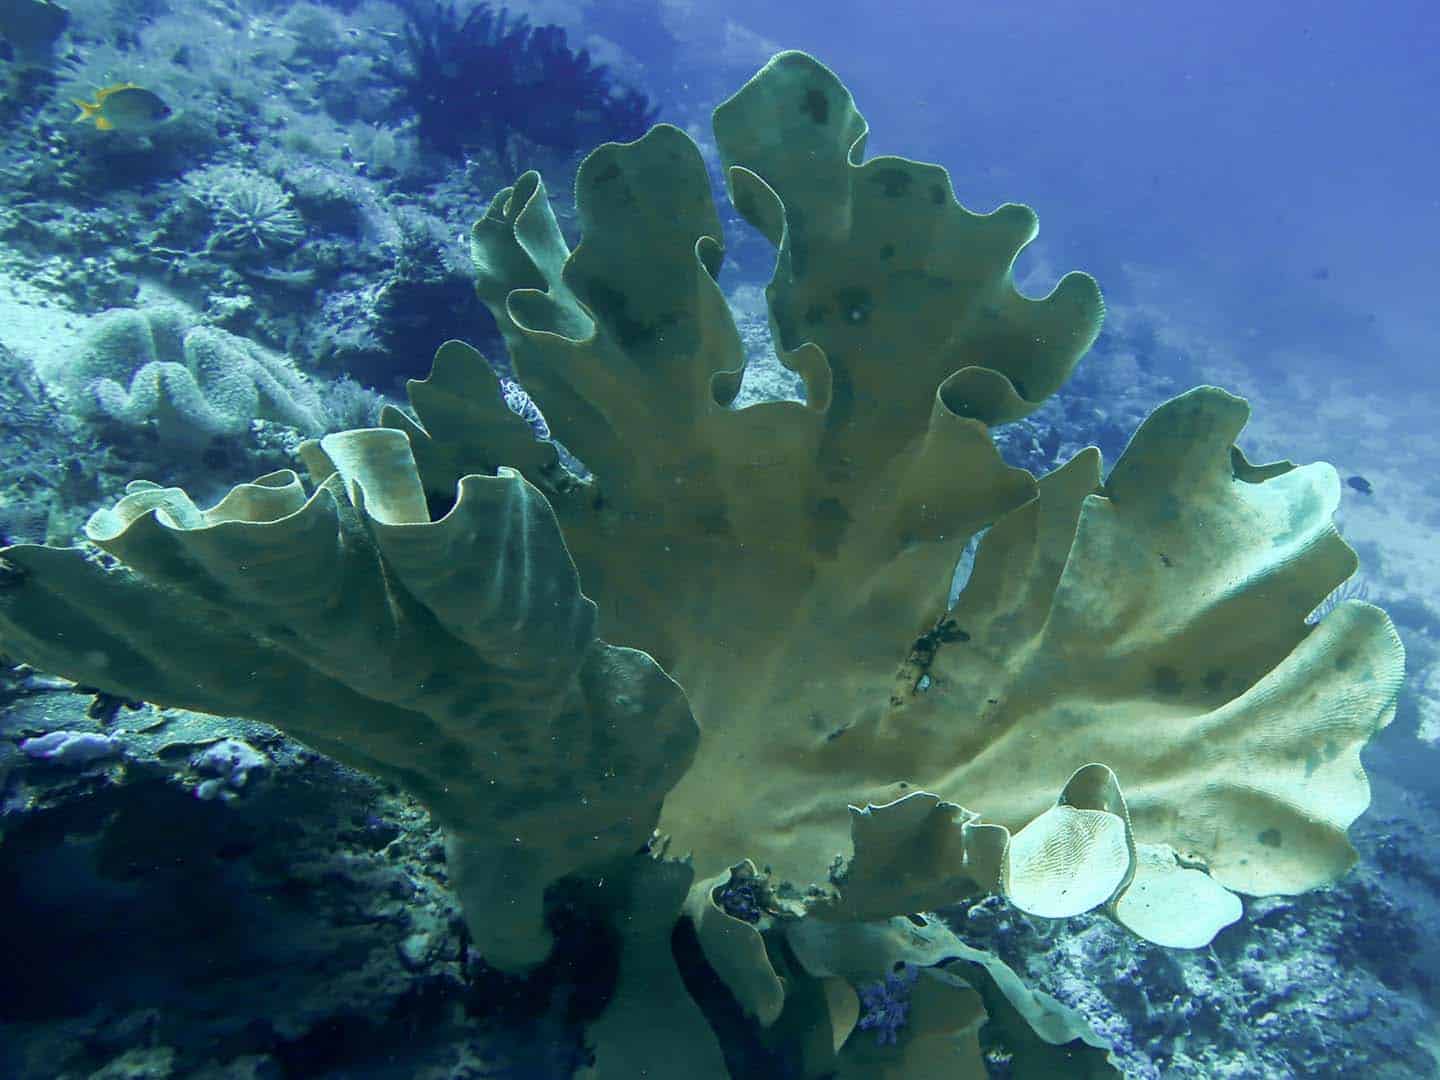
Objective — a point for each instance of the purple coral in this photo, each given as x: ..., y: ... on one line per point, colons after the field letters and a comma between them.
x: 887, y: 1004
x: 75, y: 748
x: 741, y: 899
x: 228, y: 764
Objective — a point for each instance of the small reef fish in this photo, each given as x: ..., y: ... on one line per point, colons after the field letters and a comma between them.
x: 1360, y: 484
x: 124, y: 107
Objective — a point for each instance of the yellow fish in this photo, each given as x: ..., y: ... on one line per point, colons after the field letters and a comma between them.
x: 124, y: 107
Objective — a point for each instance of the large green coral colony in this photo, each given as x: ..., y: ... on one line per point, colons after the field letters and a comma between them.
x: 786, y: 564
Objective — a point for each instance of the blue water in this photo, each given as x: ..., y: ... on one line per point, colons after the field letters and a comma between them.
x: 1275, y: 163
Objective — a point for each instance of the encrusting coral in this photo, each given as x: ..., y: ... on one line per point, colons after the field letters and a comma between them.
x: 420, y: 614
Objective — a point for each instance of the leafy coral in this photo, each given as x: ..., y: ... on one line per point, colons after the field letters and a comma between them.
x: 481, y: 77
x: 419, y: 613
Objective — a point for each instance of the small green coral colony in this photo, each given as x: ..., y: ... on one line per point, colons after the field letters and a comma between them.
x: 762, y: 670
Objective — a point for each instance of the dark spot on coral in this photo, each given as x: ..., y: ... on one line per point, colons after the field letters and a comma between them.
x: 675, y: 744
x: 713, y: 524
x: 1214, y: 681
x: 992, y: 701
x: 922, y: 649
x: 611, y: 305
x: 949, y: 631
x: 105, y: 707
x: 894, y: 183
x: 1270, y: 838
x: 1167, y: 681
x: 527, y: 799
x: 842, y: 401
x: 914, y: 672
x: 855, y: 305
x: 1165, y: 560
x: 831, y: 521
x: 1344, y: 661
x: 816, y: 106
x: 468, y: 705
x: 799, y: 241
x: 887, y: 251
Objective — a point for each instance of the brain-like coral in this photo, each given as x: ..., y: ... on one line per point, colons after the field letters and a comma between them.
x: 154, y: 366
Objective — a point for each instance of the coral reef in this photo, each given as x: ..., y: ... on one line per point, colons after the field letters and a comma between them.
x: 417, y: 612
x: 174, y: 934
x: 307, y: 116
